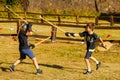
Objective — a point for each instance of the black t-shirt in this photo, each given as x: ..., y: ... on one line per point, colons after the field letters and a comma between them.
x: 90, y: 39
x: 23, y: 40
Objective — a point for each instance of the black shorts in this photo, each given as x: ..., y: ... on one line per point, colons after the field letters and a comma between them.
x: 88, y: 55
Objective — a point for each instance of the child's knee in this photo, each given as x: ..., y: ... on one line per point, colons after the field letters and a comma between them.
x: 34, y: 58
x: 21, y: 59
x: 85, y: 59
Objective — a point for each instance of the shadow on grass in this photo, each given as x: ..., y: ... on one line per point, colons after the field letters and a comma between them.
x: 4, y: 69
x: 25, y: 71
x: 70, y: 69
x: 56, y: 66
x: 52, y: 66
x: 7, y: 70
x: 47, y: 65
x: 1, y: 63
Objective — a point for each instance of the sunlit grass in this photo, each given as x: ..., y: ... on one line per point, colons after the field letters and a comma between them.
x: 59, y: 61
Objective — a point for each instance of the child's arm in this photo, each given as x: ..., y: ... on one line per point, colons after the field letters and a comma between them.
x: 68, y: 34
x: 102, y: 42
x: 76, y: 34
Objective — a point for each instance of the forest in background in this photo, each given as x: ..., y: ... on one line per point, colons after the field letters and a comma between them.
x: 77, y: 7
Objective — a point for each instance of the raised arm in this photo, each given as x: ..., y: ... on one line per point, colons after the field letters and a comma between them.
x: 76, y: 34
x: 68, y: 34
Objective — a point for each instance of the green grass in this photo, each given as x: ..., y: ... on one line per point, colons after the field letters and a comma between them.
x: 59, y: 61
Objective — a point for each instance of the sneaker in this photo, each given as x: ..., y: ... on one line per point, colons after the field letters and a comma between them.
x: 11, y: 69
x: 88, y: 72
x: 98, y: 65
x: 39, y: 72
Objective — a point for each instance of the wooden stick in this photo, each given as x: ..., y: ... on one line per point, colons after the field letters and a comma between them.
x: 55, y: 26
x: 108, y: 46
x: 25, y: 22
x: 16, y: 14
x: 42, y: 41
x: 52, y: 24
x: 40, y: 18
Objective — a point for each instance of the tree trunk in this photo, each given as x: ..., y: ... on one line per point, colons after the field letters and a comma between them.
x: 96, y: 6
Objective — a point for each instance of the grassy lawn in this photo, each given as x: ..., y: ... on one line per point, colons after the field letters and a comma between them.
x: 59, y: 61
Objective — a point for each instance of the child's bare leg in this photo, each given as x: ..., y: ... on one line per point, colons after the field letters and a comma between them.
x: 13, y: 65
x: 94, y: 59
x: 88, y: 64
x: 35, y: 63
x: 97, y: 62
x: 17, y: 62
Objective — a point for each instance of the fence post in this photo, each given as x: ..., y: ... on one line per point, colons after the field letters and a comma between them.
x: 9, y: 14
x: 111, y: 20
x: 42, y: 21
x: 59, y: 19
x: 18, y: 25
x: 96, y: 20
x: 77, y: 19
x: 25, y: 14
x: 53, y: 34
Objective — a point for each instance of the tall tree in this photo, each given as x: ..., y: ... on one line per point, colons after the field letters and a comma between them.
x: 96, y: 6
x: 10, y: 3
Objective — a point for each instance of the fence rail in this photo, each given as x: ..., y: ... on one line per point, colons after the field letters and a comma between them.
x: 61, y: 20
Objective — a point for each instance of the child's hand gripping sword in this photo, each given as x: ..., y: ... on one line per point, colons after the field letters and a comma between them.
x: 56, y: 27
x: 34, y: 45
x: 31, y: 45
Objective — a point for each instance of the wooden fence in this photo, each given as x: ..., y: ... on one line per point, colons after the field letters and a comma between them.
x: 60, y: 20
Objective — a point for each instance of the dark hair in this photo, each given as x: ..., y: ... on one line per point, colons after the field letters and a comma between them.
x: 91, y: 26
x: 29, y: 26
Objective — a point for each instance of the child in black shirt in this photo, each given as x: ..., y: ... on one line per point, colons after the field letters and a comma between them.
x: 90, y: 39
x: 24, y: 47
